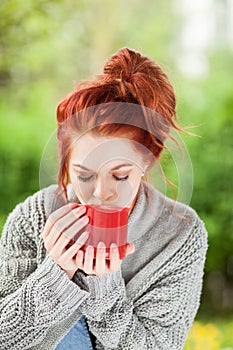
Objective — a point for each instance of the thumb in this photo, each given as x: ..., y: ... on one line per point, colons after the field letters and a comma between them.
x: 130, y: 248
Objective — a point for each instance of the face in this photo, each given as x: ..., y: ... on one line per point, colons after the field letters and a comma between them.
x: 105, y: 170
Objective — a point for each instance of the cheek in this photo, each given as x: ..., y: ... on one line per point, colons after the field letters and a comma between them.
x: 84, y: 193
x: 82, y: 190
x: 127, y: 191
x: 135, y: 186
x: 135, y: 183
x: 135, y: 179
x: 73, y: 179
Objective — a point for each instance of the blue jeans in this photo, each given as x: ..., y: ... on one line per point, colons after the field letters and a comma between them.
x: 78, y: 338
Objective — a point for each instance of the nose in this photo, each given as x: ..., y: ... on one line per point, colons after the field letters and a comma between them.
x: 103, y: 191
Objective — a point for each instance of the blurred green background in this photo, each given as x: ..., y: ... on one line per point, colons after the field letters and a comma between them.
x: 47, y: 46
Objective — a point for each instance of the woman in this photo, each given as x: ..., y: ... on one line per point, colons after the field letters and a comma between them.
x: 111, y: 132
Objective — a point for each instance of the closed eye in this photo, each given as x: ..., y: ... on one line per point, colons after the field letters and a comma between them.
x: 85, y: 179
x: 89, y: 178
x: 121, y: 178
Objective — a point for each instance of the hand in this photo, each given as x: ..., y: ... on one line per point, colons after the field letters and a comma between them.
x: 101, y: 266
x: 60, y: 228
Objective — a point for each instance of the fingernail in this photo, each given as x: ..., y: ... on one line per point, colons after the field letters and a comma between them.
x: 81, y: 208
x: 132, y: 250
x: 73, y: 205
x: 80, y: 254
x: 101, y: 245
x: 113, y: 245
x: 90, y: 249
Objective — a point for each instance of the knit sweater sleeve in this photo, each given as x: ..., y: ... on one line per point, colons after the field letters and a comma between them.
x: 168, y: 299
x: 35, y: 293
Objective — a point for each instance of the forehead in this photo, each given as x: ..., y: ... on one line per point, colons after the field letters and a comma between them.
x: 94, y: 152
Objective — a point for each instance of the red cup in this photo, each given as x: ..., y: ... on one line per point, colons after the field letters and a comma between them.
x: 108, y: 224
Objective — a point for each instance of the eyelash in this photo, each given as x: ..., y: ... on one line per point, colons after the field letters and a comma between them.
x: 86, y: 179
x: 121, y: 178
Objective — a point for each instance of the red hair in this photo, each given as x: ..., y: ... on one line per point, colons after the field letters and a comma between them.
x: 133, y: 96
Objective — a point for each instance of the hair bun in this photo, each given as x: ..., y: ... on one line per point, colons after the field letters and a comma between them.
x: 123, y: 65
x: 143, y: 79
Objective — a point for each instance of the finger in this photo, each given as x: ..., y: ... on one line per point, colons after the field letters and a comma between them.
x: 67, y: 220
x: 56, y: 215
x: 114, y: 258
x: 75, y: 247
x: 100, y: 264
x: 61, y: 225
x: 130, y: 248
x: 88, y: 260
x: 75, y: 227
x: 79, y: 259
x: 59, y: 247
x: 82, y: 239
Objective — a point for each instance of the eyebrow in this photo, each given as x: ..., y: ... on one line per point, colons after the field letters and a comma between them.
x: 115, y: 168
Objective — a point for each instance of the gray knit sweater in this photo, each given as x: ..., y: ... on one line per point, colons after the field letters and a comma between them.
x: 149, y: 304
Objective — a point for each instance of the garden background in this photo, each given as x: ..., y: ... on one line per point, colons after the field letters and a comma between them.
x: 47, y: 46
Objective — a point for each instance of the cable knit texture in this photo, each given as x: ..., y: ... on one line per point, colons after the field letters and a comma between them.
x: 149, y: 304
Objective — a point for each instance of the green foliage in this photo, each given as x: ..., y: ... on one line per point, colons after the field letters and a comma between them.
x: 45, y: 47
x: 23, y: 134
x: 212, y: 156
